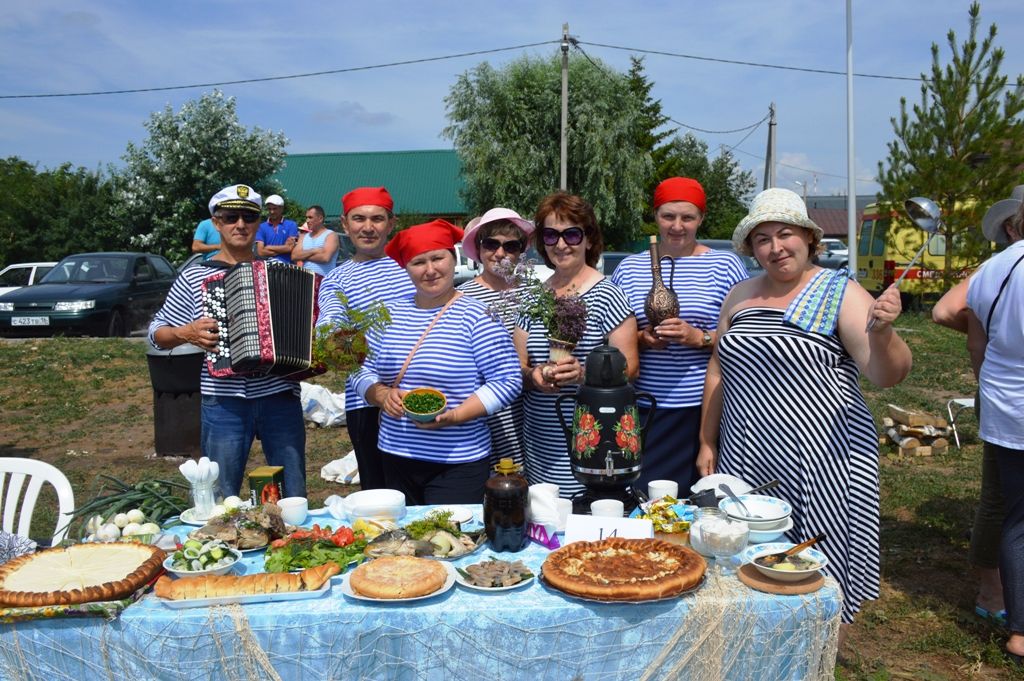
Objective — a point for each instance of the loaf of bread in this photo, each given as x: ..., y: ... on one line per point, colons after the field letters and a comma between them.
x: 209, y: 586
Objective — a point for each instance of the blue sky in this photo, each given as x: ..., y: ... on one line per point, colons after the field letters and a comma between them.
x: 60, y: 46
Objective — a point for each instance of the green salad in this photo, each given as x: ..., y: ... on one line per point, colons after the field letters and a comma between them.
x: 299, y: 554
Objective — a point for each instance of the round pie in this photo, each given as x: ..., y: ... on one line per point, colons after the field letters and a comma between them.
x: 79, y: 574
x: 617, y: 569
x: 394, y: 577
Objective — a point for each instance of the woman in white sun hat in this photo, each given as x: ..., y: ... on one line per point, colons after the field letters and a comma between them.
x: 782, y: 398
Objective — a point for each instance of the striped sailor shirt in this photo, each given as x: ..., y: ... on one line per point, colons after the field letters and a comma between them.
x: 363, y: 283
x: 184, y: 304
x: 466, y: 352
x: 675, y: 375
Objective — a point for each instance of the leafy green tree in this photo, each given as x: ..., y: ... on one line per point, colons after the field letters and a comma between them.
x: 962, y: 145
x: 188, y: 156
x: 651, y: 132
x: 505, y: 125
x: 49, y: 214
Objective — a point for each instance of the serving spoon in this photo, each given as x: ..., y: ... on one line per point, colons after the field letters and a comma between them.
x: 739, y: 502
x: 776, y: 558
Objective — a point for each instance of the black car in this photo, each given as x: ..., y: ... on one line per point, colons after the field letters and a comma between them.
x: 105, y: 294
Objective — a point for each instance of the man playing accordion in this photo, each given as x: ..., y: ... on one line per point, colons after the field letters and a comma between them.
x: 236, y: 408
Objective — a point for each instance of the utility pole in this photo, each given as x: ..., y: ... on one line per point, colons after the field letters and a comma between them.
x: 851, y: 181
x: 563, y: 182
x: 769, y: 157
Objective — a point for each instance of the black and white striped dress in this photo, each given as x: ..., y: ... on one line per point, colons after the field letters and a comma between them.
x: 792, y: 409
x: 506, y: 426
x: 547, y: 449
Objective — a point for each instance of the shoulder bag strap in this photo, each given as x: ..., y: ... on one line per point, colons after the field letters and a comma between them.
x: 988, y: 322
x: 408, y: 359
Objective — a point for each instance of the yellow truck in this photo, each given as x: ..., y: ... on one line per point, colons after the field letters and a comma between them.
x: 887, y: 243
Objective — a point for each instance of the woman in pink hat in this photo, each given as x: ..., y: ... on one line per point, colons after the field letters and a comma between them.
x: 496, y: 240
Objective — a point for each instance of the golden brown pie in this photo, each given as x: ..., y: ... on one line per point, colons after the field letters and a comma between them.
x: 398, y: 577
x: 79, y: 574
x: 624, y: 569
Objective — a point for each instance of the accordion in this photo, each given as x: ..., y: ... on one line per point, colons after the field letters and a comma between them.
x: 266, y: 313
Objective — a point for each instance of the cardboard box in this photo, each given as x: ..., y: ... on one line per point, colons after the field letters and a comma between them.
x: 266, y: 485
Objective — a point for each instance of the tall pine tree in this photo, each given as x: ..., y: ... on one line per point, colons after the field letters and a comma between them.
x: 962, y: 145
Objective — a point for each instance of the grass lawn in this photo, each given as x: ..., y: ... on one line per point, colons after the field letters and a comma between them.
x: 85, y: 405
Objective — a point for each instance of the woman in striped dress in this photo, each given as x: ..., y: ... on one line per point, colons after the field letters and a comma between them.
x: 442, y: 339
x: 496, y: 240
x: 674, y: 355
x: 569, y: 240
x: 782, y: 397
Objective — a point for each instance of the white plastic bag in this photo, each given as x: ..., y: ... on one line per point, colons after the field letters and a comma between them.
x: 344, y: 470
x: 321, y: 406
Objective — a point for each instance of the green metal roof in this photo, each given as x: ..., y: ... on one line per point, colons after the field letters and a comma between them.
x: 428, y: 181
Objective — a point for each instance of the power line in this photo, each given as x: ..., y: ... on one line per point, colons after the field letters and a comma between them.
x: 288, y: 77
x: 806, y: 170
x: 804, y: 69
x: 753, y: 126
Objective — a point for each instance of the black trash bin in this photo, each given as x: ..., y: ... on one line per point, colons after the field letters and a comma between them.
x: 177, y: 401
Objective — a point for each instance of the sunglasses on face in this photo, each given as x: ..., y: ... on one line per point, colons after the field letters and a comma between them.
x: 232, y: 218
x: 512, y: 247
x: 572, y: 236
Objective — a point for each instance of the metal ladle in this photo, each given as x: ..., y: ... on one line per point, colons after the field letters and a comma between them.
x: 927, y: 215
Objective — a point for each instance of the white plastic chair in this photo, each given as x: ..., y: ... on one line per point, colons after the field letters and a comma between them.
x: 954, y: 407
x: 14, y: 473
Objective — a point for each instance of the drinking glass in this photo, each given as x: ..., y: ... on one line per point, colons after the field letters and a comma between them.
x: 204, y: 497
x: 724, y: 538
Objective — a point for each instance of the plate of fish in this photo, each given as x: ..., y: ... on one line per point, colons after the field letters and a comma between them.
x: 440, y: 544
x: 494, y: 575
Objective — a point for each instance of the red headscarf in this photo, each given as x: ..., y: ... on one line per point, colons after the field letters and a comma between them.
x: 367, y: 196
x: 431, y: 236
x: 680, y: 189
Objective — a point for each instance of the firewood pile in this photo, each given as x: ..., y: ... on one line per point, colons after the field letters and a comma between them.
x: 915, y: 433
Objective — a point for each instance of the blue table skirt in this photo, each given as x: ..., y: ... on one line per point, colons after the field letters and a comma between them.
x: 722, y: 631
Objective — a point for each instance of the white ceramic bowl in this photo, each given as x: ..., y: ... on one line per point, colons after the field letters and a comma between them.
x: 715, y: 479
x: 380, y: 504
x: 766, y: 513
x: 763, y: 536
x: 753, y: 552
x: 222, y: 570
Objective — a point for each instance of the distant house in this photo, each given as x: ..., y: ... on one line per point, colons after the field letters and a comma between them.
x: 426, y: 182
x: 829, y: 213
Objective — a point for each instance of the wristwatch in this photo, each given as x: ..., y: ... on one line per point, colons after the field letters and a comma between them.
x: 706, y: 341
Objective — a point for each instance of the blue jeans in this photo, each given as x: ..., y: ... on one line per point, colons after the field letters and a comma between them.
x: 1011, y: 550
x: 231, y: 423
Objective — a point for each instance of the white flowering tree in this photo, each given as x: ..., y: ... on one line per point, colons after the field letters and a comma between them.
x: 188, y: 156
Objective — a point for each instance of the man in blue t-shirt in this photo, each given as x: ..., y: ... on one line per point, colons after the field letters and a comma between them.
x: 276, y: 237
x: 206, y: 239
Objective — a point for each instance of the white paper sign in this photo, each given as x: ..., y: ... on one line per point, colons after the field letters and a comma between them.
x: 595, y: 528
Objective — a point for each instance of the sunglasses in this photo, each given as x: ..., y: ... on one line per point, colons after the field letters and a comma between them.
x: 512, y: 247
x: 572, y: 236
x: 232, y: 218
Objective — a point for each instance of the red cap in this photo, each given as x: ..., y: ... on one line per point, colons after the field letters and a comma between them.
x: 680, y: 189
x: 431, y: 236
x: 367, y: 196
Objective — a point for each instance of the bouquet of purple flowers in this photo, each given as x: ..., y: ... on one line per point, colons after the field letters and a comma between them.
x: 564, y: 317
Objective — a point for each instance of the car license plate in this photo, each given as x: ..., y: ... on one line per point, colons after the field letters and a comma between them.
x: 30, y: 321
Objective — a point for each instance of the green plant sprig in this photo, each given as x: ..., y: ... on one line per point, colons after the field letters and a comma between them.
x: 342, y: 346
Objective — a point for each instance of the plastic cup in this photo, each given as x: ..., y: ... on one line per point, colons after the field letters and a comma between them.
x: 294, y: 509
x: 656, y: 489
x: 607, y: 508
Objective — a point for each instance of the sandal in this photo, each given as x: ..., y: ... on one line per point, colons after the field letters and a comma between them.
x: 998, y: 617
